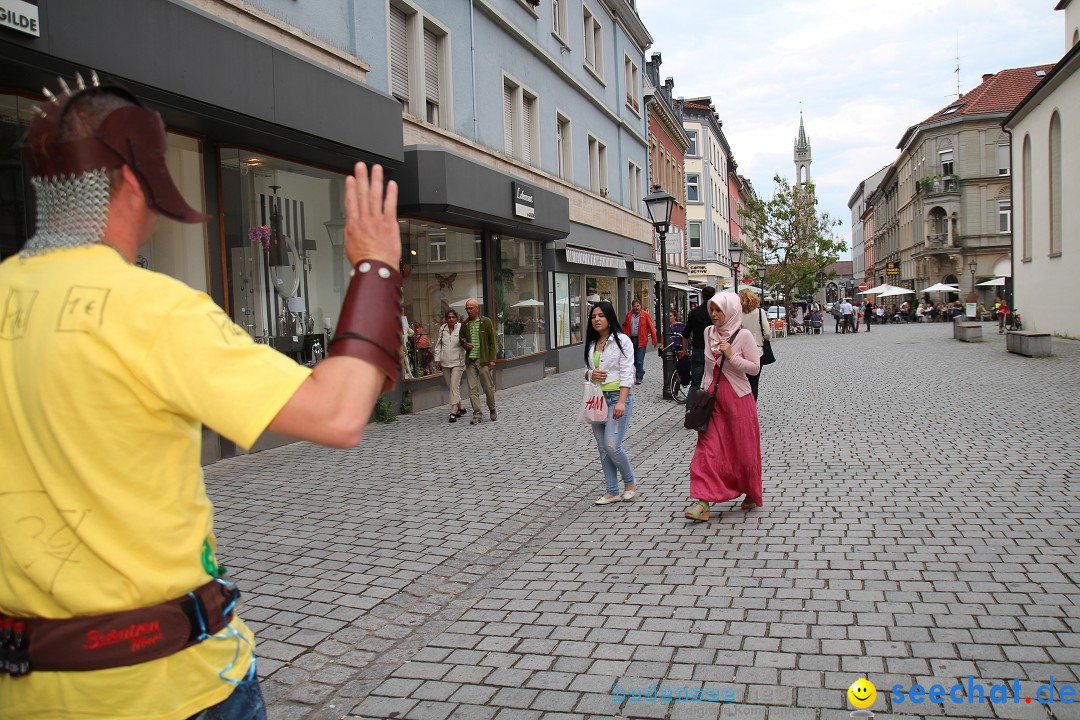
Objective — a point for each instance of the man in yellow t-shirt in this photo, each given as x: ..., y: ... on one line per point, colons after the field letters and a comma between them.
x: 107, y: 374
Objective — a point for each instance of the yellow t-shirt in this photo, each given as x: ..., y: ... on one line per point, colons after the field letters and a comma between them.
x: 107, y: 373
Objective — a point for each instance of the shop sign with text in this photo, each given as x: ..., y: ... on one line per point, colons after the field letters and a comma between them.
x: 524, y: 201
x: 21, y: 16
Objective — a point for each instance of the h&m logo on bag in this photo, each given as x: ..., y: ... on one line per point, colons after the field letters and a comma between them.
x: 595, y: 403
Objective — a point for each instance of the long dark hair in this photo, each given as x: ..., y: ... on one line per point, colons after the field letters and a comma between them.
x: 591, y: 336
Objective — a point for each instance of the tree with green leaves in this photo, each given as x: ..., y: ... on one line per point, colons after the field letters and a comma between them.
x: 789, y: 238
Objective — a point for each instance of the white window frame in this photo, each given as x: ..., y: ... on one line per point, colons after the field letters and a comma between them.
x: 437, y: 249
x: 414, y: 93
x: 693, y: 150
x: 560, y: 21
x: 696, y: 184
x: 598, y: 172
x: 690, y: 237
x: 633, y: 188
x: 1004, y: 159
x: 521, y: 138
x: 1005, y: 216
x: 593, y: 37
x: 564, y: 146
x: 950, y: 160
x: 632, y: 78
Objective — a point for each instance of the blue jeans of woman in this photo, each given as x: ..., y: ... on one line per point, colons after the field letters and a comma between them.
x: 609, y: 437
x: 245, y: 703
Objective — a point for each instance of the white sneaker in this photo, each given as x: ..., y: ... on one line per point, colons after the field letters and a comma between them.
x: 607, y: 499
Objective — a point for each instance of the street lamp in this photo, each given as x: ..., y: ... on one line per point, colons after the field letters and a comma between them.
x: 735, y: 252
x: 761, y: 282
x: 820, y: 277
x: 972, y: 266
x: 659, y: 205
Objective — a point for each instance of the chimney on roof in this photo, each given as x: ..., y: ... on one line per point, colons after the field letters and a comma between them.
x: 987, y: 76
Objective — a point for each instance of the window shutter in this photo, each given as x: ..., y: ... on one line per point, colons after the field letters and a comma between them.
x: 399, y: 57
x: 508, y: 119
x: 526, y: 141
x: 431, y: 65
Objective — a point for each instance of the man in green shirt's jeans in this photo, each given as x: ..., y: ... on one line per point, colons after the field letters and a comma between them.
x: 478, y: 339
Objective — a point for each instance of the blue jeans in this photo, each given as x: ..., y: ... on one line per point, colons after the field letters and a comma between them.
x: 245, y: 703
x: 609, y: 437
x: 639, y: 362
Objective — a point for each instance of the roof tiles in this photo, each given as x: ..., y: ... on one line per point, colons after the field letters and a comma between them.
x: 997, y: 93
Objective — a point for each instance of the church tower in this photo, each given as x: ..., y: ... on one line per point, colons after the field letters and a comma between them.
x: 802, y: 158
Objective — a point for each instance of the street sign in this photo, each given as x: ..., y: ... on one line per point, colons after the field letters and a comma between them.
x: 863, y: 287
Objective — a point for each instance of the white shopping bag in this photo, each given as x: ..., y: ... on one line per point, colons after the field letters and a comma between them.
x: 593, y: 407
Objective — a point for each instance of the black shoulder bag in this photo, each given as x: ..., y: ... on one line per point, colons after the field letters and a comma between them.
x: 767, y: 357
x: 701, y: 408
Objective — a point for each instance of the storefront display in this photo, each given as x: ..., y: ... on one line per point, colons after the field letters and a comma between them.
x: 441, y: 269
x: 284, y: 234
x: 602, y: 287
x: 642, y: 292
x: 568, y: 309
x: 519, y: 309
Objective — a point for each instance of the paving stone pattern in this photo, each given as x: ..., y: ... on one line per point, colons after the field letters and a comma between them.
x: 921, y: 525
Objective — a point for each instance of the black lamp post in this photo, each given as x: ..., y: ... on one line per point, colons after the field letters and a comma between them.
x: 735, y: 253
x: 972, y: 266
x: 761, y: 282
x: 659, y: 205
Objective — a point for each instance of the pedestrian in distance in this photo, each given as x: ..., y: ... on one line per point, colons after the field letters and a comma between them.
x: 755, y: 323
x: 450, y: 358
x: 478, y: 339
x: 609, y: 361
x: 675, y: 328
x: 1002, y: 313
x: 868, y: 314
x: 697, y: 321
x: 108, y: 373
x: 638, y: 326
x: 727, y: 458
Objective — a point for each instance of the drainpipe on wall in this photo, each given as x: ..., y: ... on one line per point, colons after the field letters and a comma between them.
x: 472, y: 63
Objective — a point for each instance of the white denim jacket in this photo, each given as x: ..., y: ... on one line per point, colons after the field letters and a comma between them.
x: 618, y: 365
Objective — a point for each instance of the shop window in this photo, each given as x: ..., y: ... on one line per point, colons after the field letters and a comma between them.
x: 568, y: 309
x: 642, y: 292
x: 286, y: 270
x: 519, y: 305
x: 444, y: 276
x: 16, y: 207
x: 179, y: 249
x: 601, y: 287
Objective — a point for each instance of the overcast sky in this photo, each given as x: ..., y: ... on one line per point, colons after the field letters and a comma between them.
x: 865, y: 71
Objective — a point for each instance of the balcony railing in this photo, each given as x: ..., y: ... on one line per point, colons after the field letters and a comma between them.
x: 938, y: 186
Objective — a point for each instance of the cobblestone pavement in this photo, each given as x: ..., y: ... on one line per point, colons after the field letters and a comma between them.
x: 921, y: 526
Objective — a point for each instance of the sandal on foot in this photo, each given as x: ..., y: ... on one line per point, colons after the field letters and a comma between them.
x: 461, y: 411
x: 453, y: 417
x: 475, y: 421
x: 748, y: 505
x: 699, y: 512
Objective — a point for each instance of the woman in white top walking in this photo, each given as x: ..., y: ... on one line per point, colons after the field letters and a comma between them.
x: 609, y: 361
x: 450, y: 358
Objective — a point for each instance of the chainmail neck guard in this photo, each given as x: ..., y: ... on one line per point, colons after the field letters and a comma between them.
x: 71, y: 212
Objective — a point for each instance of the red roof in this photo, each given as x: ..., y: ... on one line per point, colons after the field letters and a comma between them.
x: 998, y: 93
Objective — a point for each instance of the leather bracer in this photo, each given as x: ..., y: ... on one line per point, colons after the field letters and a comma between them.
x: 369, y: 327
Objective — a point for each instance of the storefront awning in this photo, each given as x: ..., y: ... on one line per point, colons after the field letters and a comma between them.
x: 644, y: 266
x: 684, y: 288
x: 588, y: 257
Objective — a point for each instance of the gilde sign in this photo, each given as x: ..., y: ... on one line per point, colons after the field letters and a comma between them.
x: 21, y: 16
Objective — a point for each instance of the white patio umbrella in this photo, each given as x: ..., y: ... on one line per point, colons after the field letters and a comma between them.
x: 752, y: 288
x: 877, y: 290
x: 896, y: 291
x: 995, y: 282
x: 942, y: 287
x: 528, y: 303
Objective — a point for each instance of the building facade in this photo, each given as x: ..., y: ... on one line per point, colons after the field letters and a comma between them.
x: 1044, y: 128
x: 707, y: 207
x: 668, y: 143
x: 945, y: 206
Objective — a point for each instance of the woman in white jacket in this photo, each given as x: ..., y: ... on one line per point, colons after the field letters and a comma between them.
x: 450, y: 358
x: 609, y: 361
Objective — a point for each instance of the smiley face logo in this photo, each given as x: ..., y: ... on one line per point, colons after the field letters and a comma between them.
x: 862, y: 693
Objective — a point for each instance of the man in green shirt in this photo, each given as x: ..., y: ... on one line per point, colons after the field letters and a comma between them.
x: 478, y: 338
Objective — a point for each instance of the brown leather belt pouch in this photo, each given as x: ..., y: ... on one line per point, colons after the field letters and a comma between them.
x: 129, y: 637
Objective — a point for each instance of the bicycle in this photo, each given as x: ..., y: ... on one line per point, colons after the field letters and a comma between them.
x: 680, y: 376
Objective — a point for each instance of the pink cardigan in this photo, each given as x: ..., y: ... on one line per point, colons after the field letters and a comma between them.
x: 744, y: 361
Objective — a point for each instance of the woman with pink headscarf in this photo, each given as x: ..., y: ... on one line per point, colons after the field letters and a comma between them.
x: 727, y: 459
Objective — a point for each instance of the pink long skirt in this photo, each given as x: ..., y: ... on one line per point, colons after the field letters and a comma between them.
x: 727, y: 459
